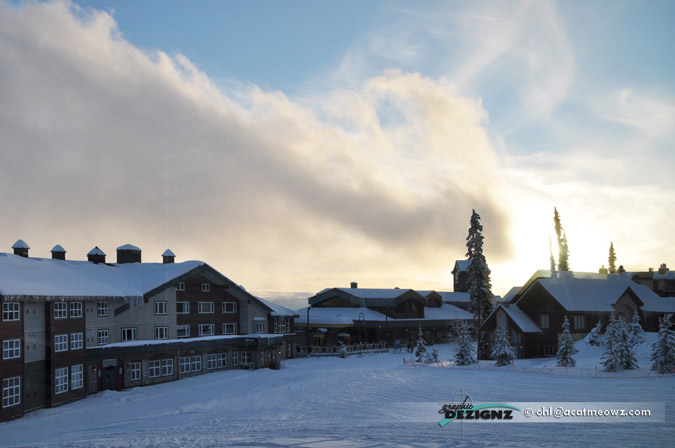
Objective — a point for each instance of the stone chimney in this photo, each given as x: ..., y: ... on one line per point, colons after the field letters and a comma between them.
x: 663, y: 269
x: 21, y: 248
x: 354, y: 285
x: 96, y: 255
x: 128, y: 254
x: 58, y: 252
x: 621, y: 270
x: 168, y: 257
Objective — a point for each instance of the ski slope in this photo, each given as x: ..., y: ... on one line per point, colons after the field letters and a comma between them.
x: 352, y: 402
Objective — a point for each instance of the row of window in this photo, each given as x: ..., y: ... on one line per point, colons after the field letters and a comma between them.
x: 10, y: 311
x: 61, y: 342
x: 182, y: 331
x: 180, y: 286
x: 202, y: 307
x: 61, y: 378
x: 579, y: 321
x: 61, y: 310
x: 11, y: 391
x: 11, y: 348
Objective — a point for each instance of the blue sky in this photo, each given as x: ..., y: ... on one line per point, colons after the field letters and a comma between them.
x: 297, y: 145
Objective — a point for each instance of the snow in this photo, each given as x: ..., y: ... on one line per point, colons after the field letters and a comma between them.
x: 521, y: 319
x: 371, y: 293
x: 146, y: 342
x: 168, y: 253
x: 277, y: 310
x: 95, y: 251
x: 45, y: 277
x: 462, y: 265
x: 346, y: 316
x: 355, y: 402
x: 129, y: 247
x: 58, y: 249
x: 20, y: 244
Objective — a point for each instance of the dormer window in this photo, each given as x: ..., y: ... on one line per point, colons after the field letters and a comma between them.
x: 180, y: 286
x: 206, y: 287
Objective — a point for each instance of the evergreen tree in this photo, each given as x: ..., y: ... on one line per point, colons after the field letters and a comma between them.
x: 663, y: 350
x: 612, y: 258
x: 501, y: 349
x: 611, y: 358
x: 421, y: 348
x: 552, y: 259
x: 434, y: 356
x: 465, y: 354
x: 593, y: 337
x: 637, y: 334
x: 480, y: 288
x: 563, y: 249
x: 627, y: 348
x: 566, y: 347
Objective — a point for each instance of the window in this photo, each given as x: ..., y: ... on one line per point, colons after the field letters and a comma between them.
x: 128, y: 334
x: 167, y: 367
x: 182, y: 307
x: 135, y: 371
x: 183, y: 331
x: 550, y: 350
x: 10, y: 311
x: 184, y: 364
x: 543, y: 320
x: 103, y: 337
x: 160, y: 367
x: 579, y: 322
x: 216, y: 360
x: 160, y: 308
x: 154, y: 369
x: 75, y: 309
x: 229, y: 328
x: 235, y: 359
x: 61, y: 380
x: 196, y: 363
x: 102, y: 309
x: 229, y: 307
x: 11, y: 349
x: 246, y: 358
x: 206, y: 287
x: 260, y: 327
x: 60, y: 342
x: 180, y: 286
x: 75, y: 341
x: 206, y: 329
x: 11, y: 391
x: 206, y: 307
x: 60, y: 310
x: 161, y: 332
x: 76, y: 377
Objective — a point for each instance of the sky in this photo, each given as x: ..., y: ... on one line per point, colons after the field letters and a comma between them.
x: 299, y: 145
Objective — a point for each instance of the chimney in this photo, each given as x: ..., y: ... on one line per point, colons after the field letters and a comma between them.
x: 96, y: 255
x: 621, y: 270
x: 128, y: 254
x: 168, y: 257
x: 663, y: 269
x: 354, y: 285
x: 21, y: 248
x: 58, y: 252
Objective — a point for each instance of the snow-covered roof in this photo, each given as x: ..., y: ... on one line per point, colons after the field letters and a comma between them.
x: 462, y: 265
x: 168, y: 253
x: 520, y: 318
x: 45, y: 277
x: 512, y: 293
x: 599, y: 294
x: 20, y: 244
x: 449, y: 296
x: 58, y: 249
x: 128, y: 247
x: 95, y: 251
x: 277, y: 310
x: 371, y: 293
x: 669, y: 275
x: 331, y: 317
x: 446, y: 312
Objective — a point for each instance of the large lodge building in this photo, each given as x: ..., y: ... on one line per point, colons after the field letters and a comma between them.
x: 73, y: 328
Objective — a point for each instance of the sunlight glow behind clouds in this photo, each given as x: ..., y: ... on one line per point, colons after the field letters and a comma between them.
x: 373, y: 182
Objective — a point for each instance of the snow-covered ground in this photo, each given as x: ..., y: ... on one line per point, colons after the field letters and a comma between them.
x: 353, y: 402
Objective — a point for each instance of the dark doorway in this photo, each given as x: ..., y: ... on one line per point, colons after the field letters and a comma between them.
x: 110, y: 378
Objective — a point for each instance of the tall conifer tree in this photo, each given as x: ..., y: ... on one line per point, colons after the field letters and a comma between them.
x: 563, y: 248
x: 612, y: 258
x: 480, y: 289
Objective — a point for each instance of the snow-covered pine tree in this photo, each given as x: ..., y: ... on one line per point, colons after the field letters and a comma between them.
x: 593, y: 337
x: 563, y: 249
x: 480, y: 288
x: 552, y: 259
x: 342, y: 350
x: 611, y: 358
x: 566, y: 347
x: 465, y: 355
x: 501, y: 348
x: 637, y: 334
x: 627, y: 348
x: 612, y: 258
x: 434, y: 355
x: 421, y: 348
x: 663, y: 350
